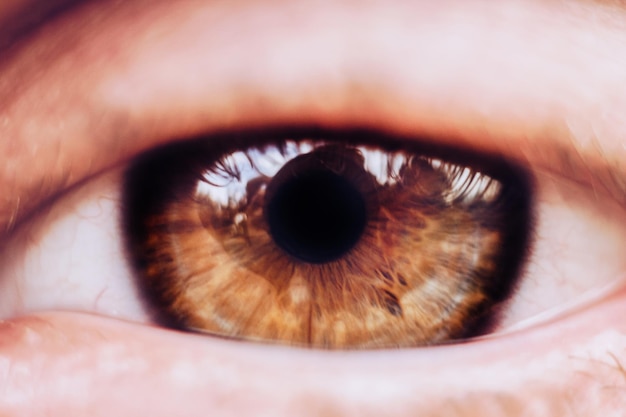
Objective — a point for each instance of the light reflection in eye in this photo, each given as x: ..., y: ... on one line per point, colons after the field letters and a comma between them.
x: 325, y: 244
x: 227, y: 181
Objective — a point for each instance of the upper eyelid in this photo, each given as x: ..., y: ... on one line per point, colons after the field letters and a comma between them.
x: 113, y: 117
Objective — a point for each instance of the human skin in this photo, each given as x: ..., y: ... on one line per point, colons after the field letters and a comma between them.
x: 539, y: 82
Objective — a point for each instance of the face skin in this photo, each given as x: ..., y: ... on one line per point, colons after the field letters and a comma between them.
x: 88, y: 89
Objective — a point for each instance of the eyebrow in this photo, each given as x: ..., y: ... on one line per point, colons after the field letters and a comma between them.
x: 115, y: 127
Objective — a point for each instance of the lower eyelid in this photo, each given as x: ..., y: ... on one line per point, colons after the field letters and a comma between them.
x: 193, y: 375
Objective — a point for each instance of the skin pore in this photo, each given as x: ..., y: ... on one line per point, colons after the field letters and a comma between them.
x: 541, y: 82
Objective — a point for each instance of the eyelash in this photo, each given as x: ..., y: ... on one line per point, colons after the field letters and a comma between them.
x: 200, y: 153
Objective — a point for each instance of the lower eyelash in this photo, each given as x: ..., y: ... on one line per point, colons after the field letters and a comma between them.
x: 430, y: 247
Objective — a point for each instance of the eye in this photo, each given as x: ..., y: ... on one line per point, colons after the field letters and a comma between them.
x: 576, y: 237
x: 537, y: 84
x: 334, y: 239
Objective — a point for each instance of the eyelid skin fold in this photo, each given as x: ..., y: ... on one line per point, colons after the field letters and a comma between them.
x: 177, y: 75
x: 18, y: 18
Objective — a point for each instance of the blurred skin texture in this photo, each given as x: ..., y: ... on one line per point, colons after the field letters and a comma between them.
x: 86, y: 88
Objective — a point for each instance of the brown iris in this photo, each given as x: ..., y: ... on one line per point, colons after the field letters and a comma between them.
x: 322, y: 242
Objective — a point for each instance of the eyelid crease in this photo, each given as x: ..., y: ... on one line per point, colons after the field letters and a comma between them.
x: 126, y: 129
x: 20, y: 18
x: 595, y: 170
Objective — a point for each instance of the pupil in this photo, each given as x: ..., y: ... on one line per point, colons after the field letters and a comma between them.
x: 316, y: 215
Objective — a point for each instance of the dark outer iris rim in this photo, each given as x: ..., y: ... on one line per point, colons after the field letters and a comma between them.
x: 180, y: 177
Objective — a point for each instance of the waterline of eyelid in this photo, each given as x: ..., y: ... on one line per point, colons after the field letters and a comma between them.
x: 578, y: 304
